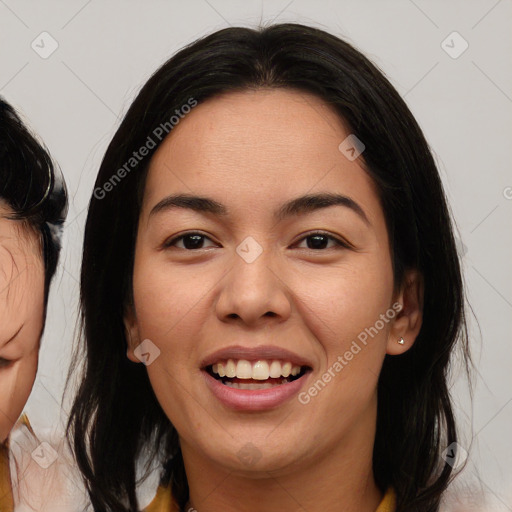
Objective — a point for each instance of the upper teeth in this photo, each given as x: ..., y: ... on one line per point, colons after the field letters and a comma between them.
x: 259, y: 370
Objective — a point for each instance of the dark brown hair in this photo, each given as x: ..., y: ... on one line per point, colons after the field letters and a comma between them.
x: 115, y: 413
x: 32, y: 186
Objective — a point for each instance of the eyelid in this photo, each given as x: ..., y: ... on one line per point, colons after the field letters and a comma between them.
x: 340, y: 242
x: 4, y: 363
x: 167, y: 243
x: 9, y: 340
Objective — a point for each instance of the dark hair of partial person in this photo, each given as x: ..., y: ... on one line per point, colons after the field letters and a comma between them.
x: 32, y: 187
x: 115, y: 413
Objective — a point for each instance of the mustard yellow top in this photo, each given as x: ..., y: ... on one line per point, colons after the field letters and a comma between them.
x: 6, y: 501
x: 6, y: 498
x: 164, y: 502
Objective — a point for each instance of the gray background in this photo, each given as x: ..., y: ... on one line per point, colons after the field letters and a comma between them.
x: 75, y: 97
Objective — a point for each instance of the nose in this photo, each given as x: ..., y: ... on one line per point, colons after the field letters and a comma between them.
x: 253, y: 292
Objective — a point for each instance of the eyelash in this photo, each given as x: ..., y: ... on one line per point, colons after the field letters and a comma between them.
x: 339, y: 243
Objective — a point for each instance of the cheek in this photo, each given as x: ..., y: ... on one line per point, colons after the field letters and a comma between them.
x: 169, y: 300
x: 341, y: 302
x: 16, y: 383
x: 335, y: 303
x: 345, y: 309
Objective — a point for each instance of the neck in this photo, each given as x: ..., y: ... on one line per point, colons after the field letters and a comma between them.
x: 339, y: 478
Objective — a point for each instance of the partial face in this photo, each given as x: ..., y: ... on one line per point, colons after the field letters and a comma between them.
x: 21, y: 316
x: 255, y: 291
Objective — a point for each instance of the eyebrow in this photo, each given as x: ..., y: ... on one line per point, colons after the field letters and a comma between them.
x: 298, y: 206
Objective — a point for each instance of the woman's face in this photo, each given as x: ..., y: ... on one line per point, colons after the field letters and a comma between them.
x: 251, y: 284
x: 21, y: 316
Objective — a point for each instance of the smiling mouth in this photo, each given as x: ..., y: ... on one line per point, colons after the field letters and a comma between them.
x: 255, y: 376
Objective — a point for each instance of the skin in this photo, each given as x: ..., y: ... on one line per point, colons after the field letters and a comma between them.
x: 22, y: 279
x: 21, y: 315
x: 240, y: 149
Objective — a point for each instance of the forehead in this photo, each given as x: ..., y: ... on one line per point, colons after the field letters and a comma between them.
x: 254, y: 147
x: 17, y: 247
x: 14, y: 232
x: 19, y: 244
x: 21, y: 276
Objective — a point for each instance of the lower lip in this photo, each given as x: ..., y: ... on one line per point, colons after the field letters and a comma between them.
x: 254, y: 399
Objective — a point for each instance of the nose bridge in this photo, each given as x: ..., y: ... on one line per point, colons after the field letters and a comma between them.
x: 253, y: 288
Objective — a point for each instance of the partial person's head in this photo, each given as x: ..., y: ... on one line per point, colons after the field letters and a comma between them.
x: 33, y: 205
x: 239, y: 159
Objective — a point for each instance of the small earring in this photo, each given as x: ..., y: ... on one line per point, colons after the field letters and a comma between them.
x: 401, y: 341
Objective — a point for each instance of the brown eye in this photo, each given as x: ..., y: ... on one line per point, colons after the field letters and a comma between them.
x: 319, y: 240
x: 191, y: 241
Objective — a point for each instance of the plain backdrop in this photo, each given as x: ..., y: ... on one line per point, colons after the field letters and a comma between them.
x: 458, y: 85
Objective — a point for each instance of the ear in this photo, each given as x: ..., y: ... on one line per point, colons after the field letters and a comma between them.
x: 407, y: 323
x: 131, y: 332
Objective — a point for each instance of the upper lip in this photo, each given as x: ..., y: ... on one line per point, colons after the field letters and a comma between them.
x: 267, y: 352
